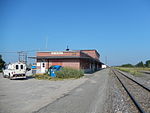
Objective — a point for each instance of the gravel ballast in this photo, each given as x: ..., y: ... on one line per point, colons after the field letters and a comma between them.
x: 118, y: 101
x: 141, y: 95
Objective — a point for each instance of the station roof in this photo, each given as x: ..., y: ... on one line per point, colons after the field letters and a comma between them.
x: 67, y: 57
x: 91, y: 50
x: 63, y: 57
x: 70, y: 51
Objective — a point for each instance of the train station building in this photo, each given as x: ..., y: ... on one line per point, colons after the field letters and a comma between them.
x: 87, y: 60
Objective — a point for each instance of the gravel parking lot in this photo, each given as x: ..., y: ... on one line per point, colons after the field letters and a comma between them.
x: 27, y: 96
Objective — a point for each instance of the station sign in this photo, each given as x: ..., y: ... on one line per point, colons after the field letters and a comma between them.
x: 56, y: 53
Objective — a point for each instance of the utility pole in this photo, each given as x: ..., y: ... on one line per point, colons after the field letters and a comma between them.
x: 105, y: 59
x: 22, y: 57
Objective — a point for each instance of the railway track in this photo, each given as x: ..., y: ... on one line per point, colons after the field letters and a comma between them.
x: 138, y: 93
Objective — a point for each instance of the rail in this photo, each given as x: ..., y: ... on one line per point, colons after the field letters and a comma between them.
x: 140, y: 109
x: 143, y: 86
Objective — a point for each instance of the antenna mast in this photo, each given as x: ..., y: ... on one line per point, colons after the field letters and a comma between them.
x: 46, y: 43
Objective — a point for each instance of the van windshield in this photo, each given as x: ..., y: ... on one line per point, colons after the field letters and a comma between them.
x: 21, y: 66
x: 17, y: 66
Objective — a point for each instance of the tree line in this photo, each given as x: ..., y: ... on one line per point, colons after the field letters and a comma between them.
x: 140, y: 64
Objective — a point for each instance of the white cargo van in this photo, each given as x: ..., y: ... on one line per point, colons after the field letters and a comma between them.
x: 15, y: 70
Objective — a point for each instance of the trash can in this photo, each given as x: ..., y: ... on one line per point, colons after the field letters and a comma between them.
x: 33, y: 69
x: 53, y: 69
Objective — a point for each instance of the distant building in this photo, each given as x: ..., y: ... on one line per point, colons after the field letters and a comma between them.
x: 88, y: 60
x: 104, y: 66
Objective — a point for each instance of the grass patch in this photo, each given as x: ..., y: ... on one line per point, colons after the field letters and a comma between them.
x: 64, y: 73
x: 133, y: 71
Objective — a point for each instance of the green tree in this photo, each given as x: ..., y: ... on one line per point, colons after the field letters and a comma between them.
x: 147, y: 63
x: 2, y: 63
x: 127, y: 65
x: 140, y: 64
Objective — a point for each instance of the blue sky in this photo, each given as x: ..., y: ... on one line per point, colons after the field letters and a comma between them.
x: 118, y: 29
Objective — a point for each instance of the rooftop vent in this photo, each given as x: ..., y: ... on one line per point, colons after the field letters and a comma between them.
x: 67, y: 49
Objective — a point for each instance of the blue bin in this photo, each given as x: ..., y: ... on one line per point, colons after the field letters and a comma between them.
x: 53, y: 69
x: 33, y: 67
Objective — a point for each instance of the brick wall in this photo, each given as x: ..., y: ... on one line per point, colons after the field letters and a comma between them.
x: 74, y: 63
x: 92, y: 53
x: 85, y: 64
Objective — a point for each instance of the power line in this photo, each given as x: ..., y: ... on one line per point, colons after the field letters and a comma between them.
x: 8, y: 52
x: 18, y: 51
x: 22, y: 55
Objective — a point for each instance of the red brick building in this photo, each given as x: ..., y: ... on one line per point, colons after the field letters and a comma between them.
x: 88, y: 60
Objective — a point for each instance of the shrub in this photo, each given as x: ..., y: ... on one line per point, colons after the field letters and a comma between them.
x: 2, y: 63
x: 62, y: 74
x: 67, y: 72
x: 147, y: 63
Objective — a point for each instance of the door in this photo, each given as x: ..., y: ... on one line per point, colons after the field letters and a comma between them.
x: 43, y: 67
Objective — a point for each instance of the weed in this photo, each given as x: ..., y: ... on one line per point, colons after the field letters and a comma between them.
x: 64, y: 73
x: 69, y: 73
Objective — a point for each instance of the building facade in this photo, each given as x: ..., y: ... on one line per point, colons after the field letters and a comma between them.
x: 87, y: 60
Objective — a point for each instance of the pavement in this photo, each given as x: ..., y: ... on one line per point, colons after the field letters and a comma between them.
x: 27, y: 96
x: 84, y: 95
x: 87, y: 98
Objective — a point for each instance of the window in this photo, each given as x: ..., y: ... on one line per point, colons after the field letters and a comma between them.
x: 43, y: 64
x: 21, y: 66
x: 17, y: 67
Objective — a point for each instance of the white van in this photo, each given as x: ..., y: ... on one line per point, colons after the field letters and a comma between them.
x: 15, y: 71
